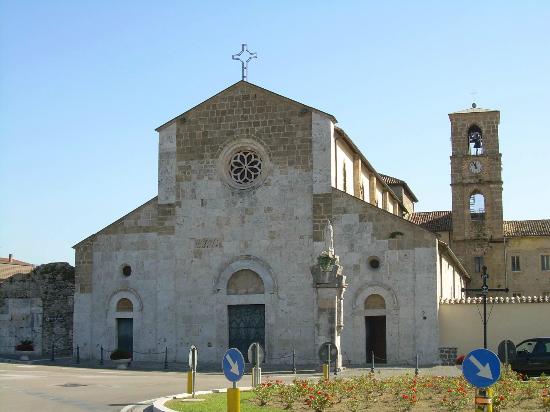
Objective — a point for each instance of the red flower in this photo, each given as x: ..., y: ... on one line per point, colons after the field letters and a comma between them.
x: 405, y: 396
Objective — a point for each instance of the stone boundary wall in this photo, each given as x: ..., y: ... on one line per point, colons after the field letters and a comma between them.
x: 448, y: 356
x: 501, y: 299
x: 517, y: 319
x: 38, y: 306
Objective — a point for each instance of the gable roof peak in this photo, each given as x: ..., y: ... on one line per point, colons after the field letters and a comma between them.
x: 244, y: 83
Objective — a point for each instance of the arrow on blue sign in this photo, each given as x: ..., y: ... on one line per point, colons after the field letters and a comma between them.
x: 233, y: 365
x: 484, y: 371
x: 481, y: 368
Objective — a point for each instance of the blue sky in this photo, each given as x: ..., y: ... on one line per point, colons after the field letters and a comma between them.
x: 83, y: 85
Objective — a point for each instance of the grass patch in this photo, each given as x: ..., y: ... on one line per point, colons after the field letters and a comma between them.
x: 217, y: 402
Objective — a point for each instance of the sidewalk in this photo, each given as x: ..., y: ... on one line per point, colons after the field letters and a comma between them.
x: 382, y: 369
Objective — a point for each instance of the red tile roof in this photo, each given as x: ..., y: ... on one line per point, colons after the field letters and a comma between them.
x: 516, y: 228
x: 7, y: 261
x: 442, y: 221
x: 389, y: 180
x: 438, y: 221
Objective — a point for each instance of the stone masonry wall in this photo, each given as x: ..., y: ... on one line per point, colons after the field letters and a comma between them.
x: 38, y: 306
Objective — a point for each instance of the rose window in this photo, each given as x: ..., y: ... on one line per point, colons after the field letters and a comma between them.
x: 245, y: 167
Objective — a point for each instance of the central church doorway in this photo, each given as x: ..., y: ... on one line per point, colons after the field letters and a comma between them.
x: 246, y: 326
x: 246, y: 321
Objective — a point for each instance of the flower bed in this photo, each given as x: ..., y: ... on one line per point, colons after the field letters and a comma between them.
x: 400, y: 393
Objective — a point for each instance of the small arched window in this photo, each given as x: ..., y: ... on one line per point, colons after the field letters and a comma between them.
x: 245, y: 282
x: 475, y: 140
x: 375, y: 302
x: 124, y: 305
x: 477, y: 206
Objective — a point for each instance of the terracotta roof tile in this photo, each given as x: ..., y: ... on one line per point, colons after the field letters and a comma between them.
x: 441, y: 221
x: 515, y: 228
x: 14, y: 262
x: 438, y: 221
x: 389, y: 180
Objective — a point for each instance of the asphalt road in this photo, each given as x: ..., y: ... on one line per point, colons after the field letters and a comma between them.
x: 70, y: 389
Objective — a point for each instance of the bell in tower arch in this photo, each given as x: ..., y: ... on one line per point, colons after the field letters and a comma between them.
x: 475, y: 140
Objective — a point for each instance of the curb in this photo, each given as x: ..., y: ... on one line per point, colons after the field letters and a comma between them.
x: 158, y: 404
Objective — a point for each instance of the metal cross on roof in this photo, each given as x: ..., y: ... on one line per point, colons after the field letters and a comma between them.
x: 244, y: 60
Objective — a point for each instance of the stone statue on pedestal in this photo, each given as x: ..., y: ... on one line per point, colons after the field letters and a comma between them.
x: 329, y: 238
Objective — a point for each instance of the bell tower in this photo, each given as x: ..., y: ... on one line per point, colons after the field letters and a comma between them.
x: 476, y: 185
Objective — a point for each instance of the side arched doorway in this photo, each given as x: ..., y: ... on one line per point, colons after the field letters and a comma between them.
x: 246, y: 321
x: 125, y: 325
x: 375, y: 328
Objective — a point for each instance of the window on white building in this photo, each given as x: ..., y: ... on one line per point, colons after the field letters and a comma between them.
x: 515, y: 264
x: 544, y: 262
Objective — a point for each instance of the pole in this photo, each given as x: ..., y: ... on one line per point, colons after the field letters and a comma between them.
x: 293, y: 361
x: 416, y: 368
x: 166, y: 358
x: 77, y: 354
x: 372, y: 362
x: 257, y: 361
x: 194, y: 358
x: 53, y: 355
x: 485, y: 291
x: 506, y: 352
x: 233, y: 399
x: 328, y: 361
x: 190, y: 381
x: 101, y: 357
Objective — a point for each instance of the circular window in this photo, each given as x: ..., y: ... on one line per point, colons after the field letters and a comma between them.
x: 243, y: 164
x: 245, y: 167
x: 374, y: 262
x: 126, y: 270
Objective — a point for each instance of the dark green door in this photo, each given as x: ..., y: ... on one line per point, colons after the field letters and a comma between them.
x: 246, y: 326
x: 125, y: 334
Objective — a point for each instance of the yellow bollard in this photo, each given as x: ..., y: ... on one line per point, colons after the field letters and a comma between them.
x: 326, y: 371
x: 489, y: 392
x: 233, y: 400
x: 189, y: 381
x: 484, y: 400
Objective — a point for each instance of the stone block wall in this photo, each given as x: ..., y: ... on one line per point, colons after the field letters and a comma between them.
x: 38, y: 306
x: 448, y: 355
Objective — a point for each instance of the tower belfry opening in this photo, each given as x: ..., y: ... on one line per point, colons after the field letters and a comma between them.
x: 477, y: 206
x: 475, y: 141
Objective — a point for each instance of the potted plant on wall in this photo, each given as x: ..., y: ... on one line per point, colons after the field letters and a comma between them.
x: 121, y: 358
x: 24, y: 349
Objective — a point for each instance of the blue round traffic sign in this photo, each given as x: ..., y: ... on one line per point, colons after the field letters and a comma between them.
x: 233, y: 365
x: 481, y: 368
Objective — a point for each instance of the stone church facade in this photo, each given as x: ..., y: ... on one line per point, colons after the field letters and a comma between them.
x: 231, y: 249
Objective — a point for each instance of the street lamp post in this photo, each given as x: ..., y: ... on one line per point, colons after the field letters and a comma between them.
x: 485, y: 289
